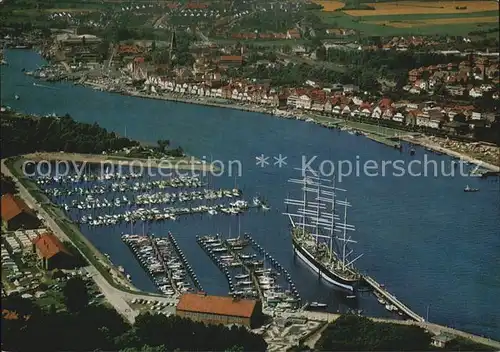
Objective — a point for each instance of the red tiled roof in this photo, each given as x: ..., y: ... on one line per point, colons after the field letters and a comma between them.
x: 12, y: 315
x: 12, y: 207
x: 193, y: 302
x: 193, y: 5
x: 236, y: 58
x: 49, y: 245
x: 128, y: 49
x: 386, y: 102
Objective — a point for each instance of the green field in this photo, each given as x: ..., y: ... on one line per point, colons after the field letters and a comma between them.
x: 341, y: 20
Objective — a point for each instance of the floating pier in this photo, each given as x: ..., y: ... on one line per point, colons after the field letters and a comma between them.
x: 277, y: 266
x: 184, y: 261
x: 212, y: 245
x: 165, y: 264
x: 392, y: 299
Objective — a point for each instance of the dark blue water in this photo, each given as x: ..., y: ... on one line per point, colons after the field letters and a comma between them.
x: 430, y: 243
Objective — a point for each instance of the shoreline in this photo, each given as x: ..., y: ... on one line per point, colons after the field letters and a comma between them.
x: 450, y: 152
x: 410, y: 137
x: 366, y: 130
x: 183, y: 163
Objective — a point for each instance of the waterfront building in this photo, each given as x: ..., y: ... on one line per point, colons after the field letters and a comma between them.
x: 51, y: 252
x: 17, y: 215
x: 441, y: 340
x: 230, y: 61
x: 219, y: 310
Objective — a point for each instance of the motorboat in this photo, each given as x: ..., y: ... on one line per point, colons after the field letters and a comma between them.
x: 317, y: 305
x: 469, y: 189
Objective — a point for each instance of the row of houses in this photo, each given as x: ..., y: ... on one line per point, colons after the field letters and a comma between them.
x: 430, y: 85
x: 255, y: 94
x: 335, y: 104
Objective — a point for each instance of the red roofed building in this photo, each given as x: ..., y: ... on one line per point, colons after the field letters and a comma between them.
x: 231, y: 60
x: 292, y: 34
x: 51, y: 252
x: 17, y: 215
x: 219, y: 310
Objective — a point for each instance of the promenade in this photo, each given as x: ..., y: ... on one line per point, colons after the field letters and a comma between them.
x: 425, y: 142
x: 383, y: 135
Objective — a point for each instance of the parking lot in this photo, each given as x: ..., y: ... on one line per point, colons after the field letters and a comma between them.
x: 152, y: 306
x: 21, y: 274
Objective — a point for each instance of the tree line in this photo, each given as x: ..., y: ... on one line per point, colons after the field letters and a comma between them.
x: 25, y: 134
x: 83, y: 327
x: 7, y: 185
x: 356, y: 333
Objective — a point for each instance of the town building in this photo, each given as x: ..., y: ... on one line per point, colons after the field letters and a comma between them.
x: 51, y: 252
x: 441, y: 340
x: 17, y: 215
x: 231, y: 60
x: 219, y: 310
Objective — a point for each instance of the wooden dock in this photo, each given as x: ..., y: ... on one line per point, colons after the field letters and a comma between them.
x: 392, y: 299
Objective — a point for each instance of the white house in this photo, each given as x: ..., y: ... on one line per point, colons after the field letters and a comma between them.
x: 476, y: 116
x: 336, y: 110
x: 377, y: 113
x: 475, y: 93
x: 398, y: 117
x: 292, y: 101
x: 304, y: 102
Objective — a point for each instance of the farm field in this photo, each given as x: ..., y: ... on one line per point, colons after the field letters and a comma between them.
x: 424, y: 7
x: 451, y: 24
x: 330, y: 5
x: 434, y: 22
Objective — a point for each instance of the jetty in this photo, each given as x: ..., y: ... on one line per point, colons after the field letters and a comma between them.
x: 392, y: 299
x: 184, y: 261
x: 277, y: 266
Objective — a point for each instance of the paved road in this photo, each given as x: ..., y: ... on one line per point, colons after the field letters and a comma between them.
x: 117, y: 298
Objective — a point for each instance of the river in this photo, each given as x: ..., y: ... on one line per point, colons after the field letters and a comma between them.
x: 434, y: 246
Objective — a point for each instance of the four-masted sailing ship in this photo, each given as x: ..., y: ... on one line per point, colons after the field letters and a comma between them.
x: 320, y: 233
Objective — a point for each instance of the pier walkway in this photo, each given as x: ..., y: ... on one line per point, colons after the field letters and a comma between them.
x: 392, y: 299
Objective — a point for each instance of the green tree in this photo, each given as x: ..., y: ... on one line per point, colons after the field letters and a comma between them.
x: 163, y: 144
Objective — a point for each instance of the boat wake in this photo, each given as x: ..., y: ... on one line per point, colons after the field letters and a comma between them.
x: 44, y: 86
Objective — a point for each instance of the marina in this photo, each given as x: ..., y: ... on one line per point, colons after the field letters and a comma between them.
x: 248, y: 276
x: 96, y: 200
x: 164, y: 262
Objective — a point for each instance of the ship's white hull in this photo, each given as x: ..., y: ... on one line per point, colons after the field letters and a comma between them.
x: 327, y: 276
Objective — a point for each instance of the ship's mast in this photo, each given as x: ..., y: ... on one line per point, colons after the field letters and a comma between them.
x: 333, y: 220
x: 305, y: 202
x: 345, y: 242
x: 317, y: 220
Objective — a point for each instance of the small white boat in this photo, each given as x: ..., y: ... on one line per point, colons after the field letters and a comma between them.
x: 241, y: 276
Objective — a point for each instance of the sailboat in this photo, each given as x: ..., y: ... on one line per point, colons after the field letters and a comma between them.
x: 319, y: 232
